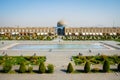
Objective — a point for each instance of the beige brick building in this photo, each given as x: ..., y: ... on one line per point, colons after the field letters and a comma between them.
x: 67, y: 30
x: 27, y: 30
x: 93, y: 31
x: 61, y: 29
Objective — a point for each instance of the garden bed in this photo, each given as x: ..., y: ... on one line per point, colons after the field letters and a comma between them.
x: 16, y: 60
x: 80, y: 60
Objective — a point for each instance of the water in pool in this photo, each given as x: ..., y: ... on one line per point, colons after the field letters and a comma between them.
x: 56, y: 46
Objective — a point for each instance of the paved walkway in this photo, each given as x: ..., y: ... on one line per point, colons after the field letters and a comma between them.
x: 91, y: 76
x: 60, y: 61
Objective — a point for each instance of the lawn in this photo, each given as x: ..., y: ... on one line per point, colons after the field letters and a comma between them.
x: 80, y: 60
x: 16, y: 60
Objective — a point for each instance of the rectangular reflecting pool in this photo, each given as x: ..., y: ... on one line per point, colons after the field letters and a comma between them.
x: 56, y: 46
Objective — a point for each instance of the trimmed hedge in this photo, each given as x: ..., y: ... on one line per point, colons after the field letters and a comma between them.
x: 42, y: 68
x: 106, y: 66
x: 30, y: 68
x: 7, y: 67
x: 50, y: 68
x: 22, y: 68
x: 70, y: 68
x: 118, y: 67
x: 87, y: 67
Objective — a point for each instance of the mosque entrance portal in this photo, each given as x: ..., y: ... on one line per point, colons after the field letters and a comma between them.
x: 60, y: 31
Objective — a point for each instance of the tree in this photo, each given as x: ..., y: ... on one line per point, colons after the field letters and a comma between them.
x: 70, y: 68
x: 30, y: 68
x: 119, y: 67
x: 7, y: 67
x: 50, y: 68
x: 22, y: 68
x: 106, y: 66
x: 42, y: 68
x: 87, y: 67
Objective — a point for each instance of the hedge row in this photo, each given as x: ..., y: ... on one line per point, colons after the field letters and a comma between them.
x: 29, y: 68
x: 106, y: 67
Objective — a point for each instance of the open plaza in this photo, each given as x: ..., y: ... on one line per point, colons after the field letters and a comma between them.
x: 60, y: 59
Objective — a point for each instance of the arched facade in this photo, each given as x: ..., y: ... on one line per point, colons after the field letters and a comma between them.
x: 60, y: 30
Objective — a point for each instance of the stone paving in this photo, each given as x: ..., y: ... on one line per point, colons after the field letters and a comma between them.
x: 88, y: 76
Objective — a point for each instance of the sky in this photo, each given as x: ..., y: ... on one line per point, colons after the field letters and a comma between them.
x: 75, y: 13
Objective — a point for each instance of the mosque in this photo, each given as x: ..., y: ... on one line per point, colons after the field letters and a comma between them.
x: 61, y: 30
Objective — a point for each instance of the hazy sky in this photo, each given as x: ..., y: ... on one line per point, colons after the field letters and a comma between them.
x: 49, y: 12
